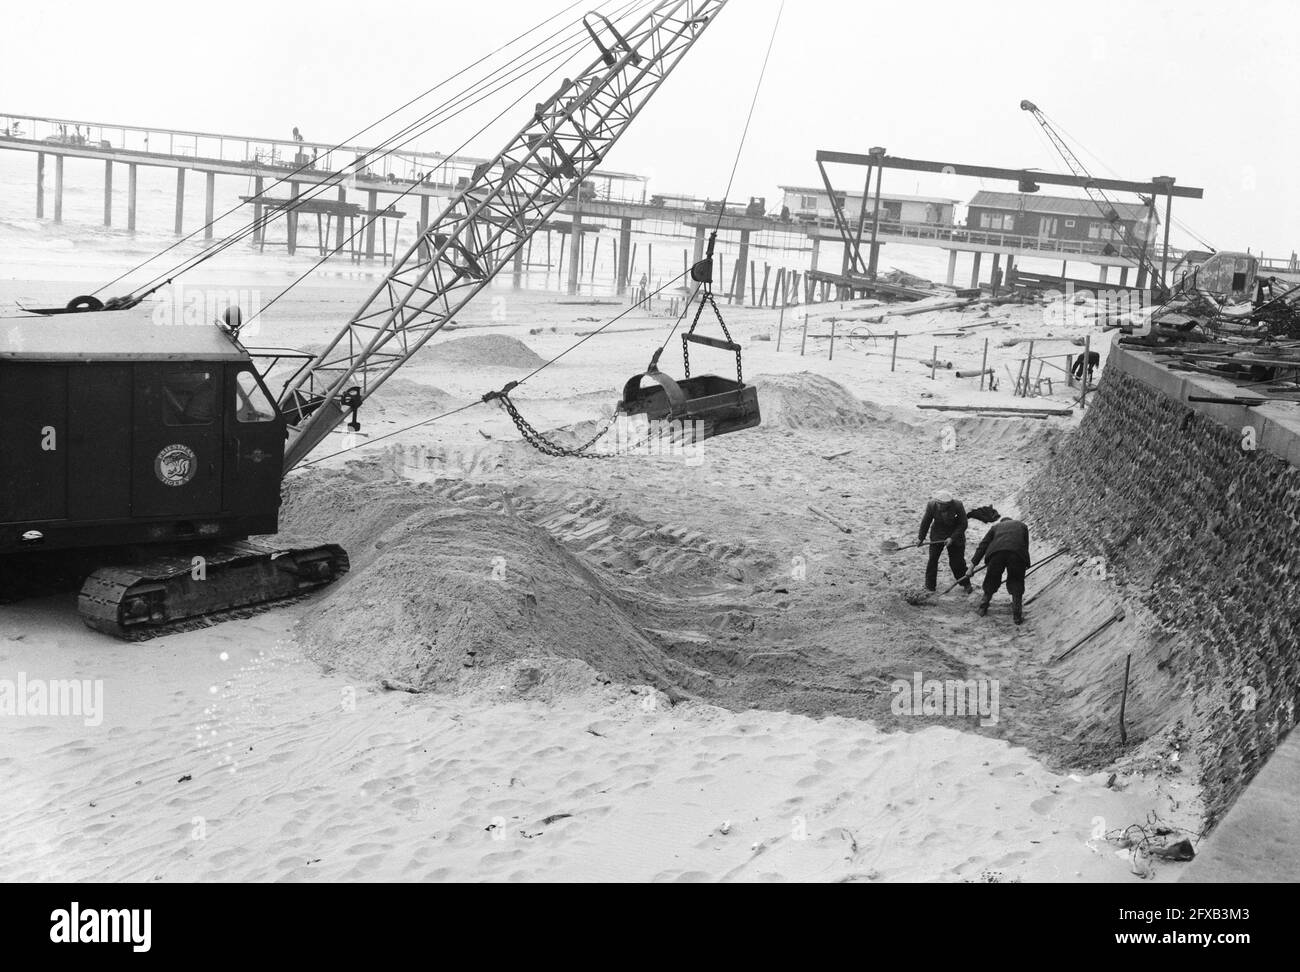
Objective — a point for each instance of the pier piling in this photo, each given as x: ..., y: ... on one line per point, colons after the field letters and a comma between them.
x: 108, y: 193
x: 58, y: 188
x: 625, y: 249
x: 372, y: 200
x: 291, y: 225
x: 340, y: 237
x: 209, y: 204
x: 180, y: 201
x: 258, y: 229
x: 132, y: 194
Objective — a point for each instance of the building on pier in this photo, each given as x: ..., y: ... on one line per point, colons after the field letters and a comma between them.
x: 807, y: 204
x: 1059, y: 218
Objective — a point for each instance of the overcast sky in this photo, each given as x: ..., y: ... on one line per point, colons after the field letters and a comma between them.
x: 1199, y: 90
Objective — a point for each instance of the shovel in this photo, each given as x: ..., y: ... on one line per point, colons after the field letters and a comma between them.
x: 893, y: 546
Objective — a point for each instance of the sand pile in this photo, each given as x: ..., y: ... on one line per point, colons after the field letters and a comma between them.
x: 483, y: 351
x: 438, y: 592
x: 1010, y: 438
x: 404, y: 395
x: 809, y: 401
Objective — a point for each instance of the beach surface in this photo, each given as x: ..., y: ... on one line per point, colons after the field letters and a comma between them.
x: 667, y: 666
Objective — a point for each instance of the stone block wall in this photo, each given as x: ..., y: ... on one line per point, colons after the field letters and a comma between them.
x: 1206, y: 534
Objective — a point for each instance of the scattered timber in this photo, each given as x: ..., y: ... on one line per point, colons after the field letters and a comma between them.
x: 1008, y: 409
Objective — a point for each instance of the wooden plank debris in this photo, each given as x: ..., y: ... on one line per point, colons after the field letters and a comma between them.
x: 1009, y: 409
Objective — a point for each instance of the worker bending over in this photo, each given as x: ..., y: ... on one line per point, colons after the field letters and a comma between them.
x: 1007, y: 547
x: 945, y: 521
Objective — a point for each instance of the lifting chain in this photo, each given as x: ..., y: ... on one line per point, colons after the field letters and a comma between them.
x: 706, y: 296
x: 539, y: 441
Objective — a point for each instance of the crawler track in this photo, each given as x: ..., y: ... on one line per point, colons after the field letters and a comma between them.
x: 201, y: 587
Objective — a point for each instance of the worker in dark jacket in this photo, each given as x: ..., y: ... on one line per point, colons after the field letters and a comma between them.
x: 945, y: 522
x: 1007, y: 547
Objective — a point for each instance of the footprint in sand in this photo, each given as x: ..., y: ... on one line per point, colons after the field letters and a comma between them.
x: 682, y: 877
x: 368, y: 848
x: 366, y: 868
x: 1044, y: 805
x: 1006, y: 770
x: 699, y: 780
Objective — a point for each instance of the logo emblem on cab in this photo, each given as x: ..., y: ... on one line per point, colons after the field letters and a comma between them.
x: 175, y: 465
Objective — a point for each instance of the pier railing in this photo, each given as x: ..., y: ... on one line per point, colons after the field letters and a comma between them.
x: 176, y: 144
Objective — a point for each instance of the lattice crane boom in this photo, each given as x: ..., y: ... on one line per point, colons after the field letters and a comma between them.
x: 486, y: 225
x: 1138, y: 249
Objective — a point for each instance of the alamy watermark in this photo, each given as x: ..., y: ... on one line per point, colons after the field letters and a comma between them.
x: 205, y: 306
x: 64, y: 697
x: 124, y: 926
x: 949, y: 697
x: 1094, y: 306
x: 635, y: 435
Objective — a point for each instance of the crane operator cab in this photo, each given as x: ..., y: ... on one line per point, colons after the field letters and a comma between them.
x: 131, y: 443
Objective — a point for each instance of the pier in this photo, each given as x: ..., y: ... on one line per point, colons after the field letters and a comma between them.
x: 280, y: 171
x: 360, y: 213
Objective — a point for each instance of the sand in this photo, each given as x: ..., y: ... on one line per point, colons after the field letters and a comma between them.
x: 635, y: 669
x: 289, y: 773
x: 483, y: 351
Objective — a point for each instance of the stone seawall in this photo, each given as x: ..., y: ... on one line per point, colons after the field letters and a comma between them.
x: 1203, y: 531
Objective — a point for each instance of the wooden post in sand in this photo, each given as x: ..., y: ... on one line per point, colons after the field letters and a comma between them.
x: 984, y: 365
x: 934, y: 362
x: 1029, y: 367
x: 780, y: 326
x: 1083, y: 385
x: 804, y: 344
x: 893, y: 355
x: 832, y: 355
x: 1123, y: 703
